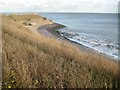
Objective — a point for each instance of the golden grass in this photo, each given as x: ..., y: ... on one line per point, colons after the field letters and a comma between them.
x: 33, y: 60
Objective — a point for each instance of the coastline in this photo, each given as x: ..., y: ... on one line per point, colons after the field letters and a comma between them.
x: 35, y: 60
x: 51, y: 30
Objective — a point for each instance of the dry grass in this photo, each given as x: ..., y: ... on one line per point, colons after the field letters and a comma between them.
x: 32, y: 60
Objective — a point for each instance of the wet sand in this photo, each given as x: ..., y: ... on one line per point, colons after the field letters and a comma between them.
x: 50, y: 30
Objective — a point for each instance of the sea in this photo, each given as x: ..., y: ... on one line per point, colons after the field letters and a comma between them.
x: 98, y: 31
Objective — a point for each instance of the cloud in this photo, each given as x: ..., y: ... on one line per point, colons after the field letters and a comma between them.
x: 59, y: 5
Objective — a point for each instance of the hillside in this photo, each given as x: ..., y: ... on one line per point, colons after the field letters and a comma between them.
x: 33, y: 60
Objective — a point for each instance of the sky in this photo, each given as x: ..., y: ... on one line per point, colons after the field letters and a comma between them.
x: 89, y: 6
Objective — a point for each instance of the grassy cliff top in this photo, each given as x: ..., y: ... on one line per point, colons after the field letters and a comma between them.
x: 32, y: 60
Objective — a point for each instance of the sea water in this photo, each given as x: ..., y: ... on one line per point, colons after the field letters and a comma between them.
x: 96, y: 31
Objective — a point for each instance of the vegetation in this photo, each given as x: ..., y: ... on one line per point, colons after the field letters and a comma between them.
x: 33, y: 60
x: 44, y: 18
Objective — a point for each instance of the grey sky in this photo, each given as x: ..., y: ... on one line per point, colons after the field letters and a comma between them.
x: 96, y: 6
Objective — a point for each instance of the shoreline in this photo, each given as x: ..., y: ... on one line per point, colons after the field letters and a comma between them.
x: 51, y: 30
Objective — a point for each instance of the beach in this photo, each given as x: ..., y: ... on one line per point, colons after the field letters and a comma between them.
x: 51, y: 30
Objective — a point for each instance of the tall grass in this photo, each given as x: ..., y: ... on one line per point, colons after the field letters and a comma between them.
x: 33, y: 60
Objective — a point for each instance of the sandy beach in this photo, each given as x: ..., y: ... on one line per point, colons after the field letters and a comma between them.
x: 50, y: 30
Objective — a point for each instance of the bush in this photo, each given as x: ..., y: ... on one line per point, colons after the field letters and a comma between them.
x: 44, y: 18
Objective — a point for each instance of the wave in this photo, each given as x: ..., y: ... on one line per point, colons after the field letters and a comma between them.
x: 101, y: 45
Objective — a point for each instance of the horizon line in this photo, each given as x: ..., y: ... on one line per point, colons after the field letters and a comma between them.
x: 68, y: 12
